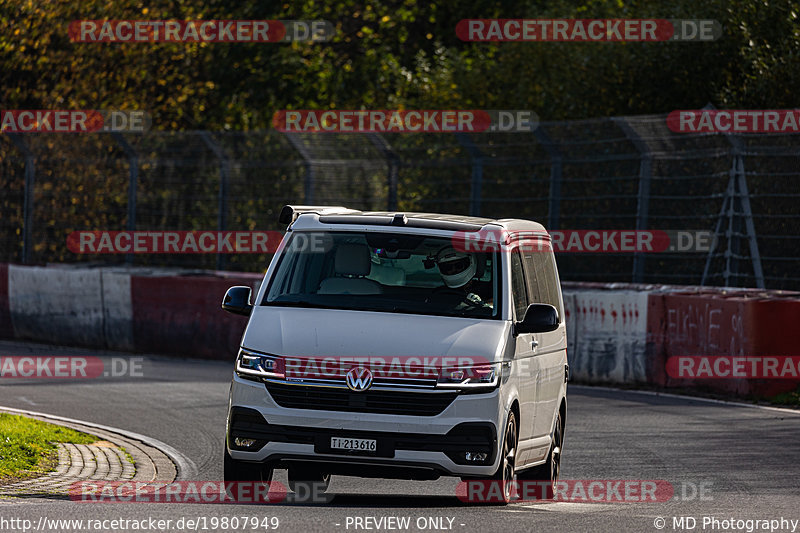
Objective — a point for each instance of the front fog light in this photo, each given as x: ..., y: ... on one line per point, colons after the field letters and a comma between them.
x: 475, y: 457
x: 244, y: 443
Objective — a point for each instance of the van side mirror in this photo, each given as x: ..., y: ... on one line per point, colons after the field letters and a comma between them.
x: 237, y: 301
x: 539, y: 318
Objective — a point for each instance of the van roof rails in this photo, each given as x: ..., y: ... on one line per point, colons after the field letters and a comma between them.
x: 289, y: 213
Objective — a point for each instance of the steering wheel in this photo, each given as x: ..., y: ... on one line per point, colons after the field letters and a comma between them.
x: 446, y: 293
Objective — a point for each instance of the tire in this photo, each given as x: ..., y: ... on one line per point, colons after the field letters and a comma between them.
x: 237, y: 471
x: 506, y: 473
x: 550, y: 470
x: 308, y: 480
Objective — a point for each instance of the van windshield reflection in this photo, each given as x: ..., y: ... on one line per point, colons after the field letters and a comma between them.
x: 385, y: 272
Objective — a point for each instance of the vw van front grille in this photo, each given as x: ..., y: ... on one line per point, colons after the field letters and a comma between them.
x: 370, y: 401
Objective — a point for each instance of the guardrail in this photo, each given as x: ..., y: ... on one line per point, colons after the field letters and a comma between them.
x: 618, y: 333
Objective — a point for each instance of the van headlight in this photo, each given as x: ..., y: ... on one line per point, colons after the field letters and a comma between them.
x: 470, y: 377
x: 259, y: 365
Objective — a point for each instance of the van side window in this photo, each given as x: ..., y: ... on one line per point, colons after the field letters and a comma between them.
x: 518, y: 291
x: 541, y: 279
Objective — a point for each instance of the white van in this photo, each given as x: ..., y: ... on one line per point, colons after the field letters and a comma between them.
x: 400, y: 345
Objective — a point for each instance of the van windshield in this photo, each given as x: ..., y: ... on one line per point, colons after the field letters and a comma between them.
x: 388, y: 272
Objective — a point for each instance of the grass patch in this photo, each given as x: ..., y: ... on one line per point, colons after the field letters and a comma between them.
x: 787, y: 398
x: 27, y: 446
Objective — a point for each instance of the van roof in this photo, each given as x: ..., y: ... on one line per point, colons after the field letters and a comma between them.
x: 325, y: 215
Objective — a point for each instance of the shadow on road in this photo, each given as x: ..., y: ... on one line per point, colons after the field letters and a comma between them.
x: 385, y: 501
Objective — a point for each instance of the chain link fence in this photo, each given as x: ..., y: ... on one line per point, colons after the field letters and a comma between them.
x: 619, y: 173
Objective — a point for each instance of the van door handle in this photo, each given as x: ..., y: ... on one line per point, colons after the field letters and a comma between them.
x: 534, y: 344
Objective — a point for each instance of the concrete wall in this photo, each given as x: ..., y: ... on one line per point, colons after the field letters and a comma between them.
x: 607, y: 334
x: 139, y: 310
x: 622, y: 334
x: 617, y: 333
x: 6, y: 327
x: 732, y: 322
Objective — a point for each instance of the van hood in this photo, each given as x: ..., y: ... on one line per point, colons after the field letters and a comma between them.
x: 304, y: 332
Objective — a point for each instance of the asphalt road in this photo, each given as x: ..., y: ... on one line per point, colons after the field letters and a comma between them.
x: 746, y: 459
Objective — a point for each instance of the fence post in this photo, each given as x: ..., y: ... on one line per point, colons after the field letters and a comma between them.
x: 222, y: 197
x: 729, y: 192
x: 27, y: 207
x: 643, y: 196
x: 737, y: 189
x: 477, y: 173
x: 556, y: 162
x: 750, y: 227
x: 393, y: 162
x: 298, y: 145
x: 133, y: 179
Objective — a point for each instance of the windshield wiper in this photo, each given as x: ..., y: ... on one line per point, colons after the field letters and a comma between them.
x: 301, y: 303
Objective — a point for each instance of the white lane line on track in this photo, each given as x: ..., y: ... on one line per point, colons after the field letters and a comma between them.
x: 187, y: 470
x: 565, y: 507
x: 693, y: 398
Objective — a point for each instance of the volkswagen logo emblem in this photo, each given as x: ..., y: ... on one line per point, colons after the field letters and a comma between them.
x: 358, y: 378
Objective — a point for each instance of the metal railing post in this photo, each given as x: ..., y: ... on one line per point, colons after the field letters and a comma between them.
x: 393, y: 163
x: 298, y: 145
x: 133, y: 179
x: 556, y: 166
x: 740, y: 191
x: 27, y: 206
x: 477, y: 173
x: 643, y: 195
x: 222, y: 196
x: 718, y: 228
x: 750, y: 227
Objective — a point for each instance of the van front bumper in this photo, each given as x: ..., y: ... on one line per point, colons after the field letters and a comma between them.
x: 417, y: 447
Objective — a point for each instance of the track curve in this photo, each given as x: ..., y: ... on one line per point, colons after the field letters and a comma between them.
x: 746, y: 459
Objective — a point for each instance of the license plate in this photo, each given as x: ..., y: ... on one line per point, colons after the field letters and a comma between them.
x: 366, y: 445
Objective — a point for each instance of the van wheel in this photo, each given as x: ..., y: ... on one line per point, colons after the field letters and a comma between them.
x: 506, y: 474
x: 308, y: 479
x: 234, y: 470
x: 550, y: 470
